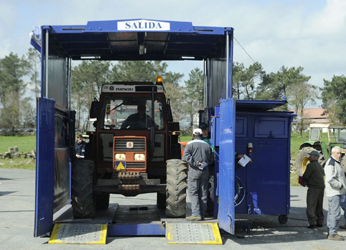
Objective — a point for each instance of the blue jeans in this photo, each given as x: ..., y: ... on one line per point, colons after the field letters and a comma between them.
x: 343, y: 206
x: 334, y: 214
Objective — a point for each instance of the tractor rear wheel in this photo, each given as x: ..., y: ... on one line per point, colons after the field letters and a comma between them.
x: 82, y: 189
x: 176, y: 188
x: 304, y: 152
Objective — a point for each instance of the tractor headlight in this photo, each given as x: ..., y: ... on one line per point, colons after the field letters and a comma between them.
x: 120, y: 157
x: 139, y: 157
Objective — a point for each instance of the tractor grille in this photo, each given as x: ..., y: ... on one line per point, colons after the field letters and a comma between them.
x: 130, y: 165
x: 138, y: 144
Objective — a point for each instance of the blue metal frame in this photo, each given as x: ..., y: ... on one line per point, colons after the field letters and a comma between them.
x: 44, y: 192
x: 226, y: 214
x: 116, y: 230
x: 181, y: 41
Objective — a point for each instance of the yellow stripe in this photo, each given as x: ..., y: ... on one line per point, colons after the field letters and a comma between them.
x: 169, y: 234
x: 55, y: 233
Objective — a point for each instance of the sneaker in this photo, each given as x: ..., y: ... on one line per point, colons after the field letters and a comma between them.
x: 342, y: 227
x: 194, y: 218
x: 312, y: 226
x: 335, y: 237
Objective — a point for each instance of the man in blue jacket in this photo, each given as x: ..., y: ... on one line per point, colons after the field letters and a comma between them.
x: 79, y: 146
x: 198, y: 155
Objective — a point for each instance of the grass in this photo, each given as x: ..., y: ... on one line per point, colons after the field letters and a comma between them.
x: 24, y: 144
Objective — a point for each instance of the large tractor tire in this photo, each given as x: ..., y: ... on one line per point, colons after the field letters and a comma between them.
x: 82, y: 189
x: 176, y: 188
x: 301, y: 161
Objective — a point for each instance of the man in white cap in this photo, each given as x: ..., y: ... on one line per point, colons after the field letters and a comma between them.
x: 198, y: 155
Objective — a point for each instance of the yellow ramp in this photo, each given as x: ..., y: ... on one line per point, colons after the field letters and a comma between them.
x: 82, y: 233
x: 193, y: 233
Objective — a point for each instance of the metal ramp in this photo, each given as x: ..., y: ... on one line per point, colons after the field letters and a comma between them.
x: 193, y: 233
x: 79, y: 233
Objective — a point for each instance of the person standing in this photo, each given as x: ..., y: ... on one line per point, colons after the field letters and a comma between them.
x: 199, y: 156
x: 335, y: 187
x: 79, y: 146
x: 211, y: 180
x: 313, y: 176
x: 343, y: 199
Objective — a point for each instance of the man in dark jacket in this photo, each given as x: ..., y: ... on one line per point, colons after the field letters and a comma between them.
x: 313, y: 176
x: 79, y: 146
x: 198, y: 155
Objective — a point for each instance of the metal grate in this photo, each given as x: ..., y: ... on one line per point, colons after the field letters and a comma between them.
x: 138, y: 144
x: 79, y: 234
x: 193, y: 233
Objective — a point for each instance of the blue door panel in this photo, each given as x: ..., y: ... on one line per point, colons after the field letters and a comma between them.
x: 44, y: 193
x: 226, y: 214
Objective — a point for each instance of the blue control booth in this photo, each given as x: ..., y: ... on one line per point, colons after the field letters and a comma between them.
x: 263, y: 185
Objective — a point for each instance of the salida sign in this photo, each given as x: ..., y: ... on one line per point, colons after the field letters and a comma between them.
x: 143, y: 25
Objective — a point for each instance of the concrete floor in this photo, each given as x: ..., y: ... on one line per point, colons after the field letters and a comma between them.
x: 17, y: 204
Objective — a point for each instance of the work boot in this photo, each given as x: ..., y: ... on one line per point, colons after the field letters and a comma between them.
x: 342, y: 227
x: 335, y: 237
x: 194, y: 218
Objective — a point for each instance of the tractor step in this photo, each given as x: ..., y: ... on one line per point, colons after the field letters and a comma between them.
x: 81, y: 233
x: 193, y: 233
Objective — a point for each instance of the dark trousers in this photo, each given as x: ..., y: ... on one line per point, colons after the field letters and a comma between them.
x: 210, y: 200
x: 314, y: 206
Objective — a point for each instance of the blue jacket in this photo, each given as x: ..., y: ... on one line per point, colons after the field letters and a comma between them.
x: 80, y: 148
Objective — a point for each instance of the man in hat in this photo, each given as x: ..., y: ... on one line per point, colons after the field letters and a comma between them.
x: 199, y: 156
x: 313, y: 176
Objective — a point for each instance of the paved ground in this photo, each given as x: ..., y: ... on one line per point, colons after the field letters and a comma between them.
x: 17, y: 224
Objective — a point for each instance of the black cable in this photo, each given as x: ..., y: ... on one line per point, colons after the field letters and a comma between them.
x: 243, y: 49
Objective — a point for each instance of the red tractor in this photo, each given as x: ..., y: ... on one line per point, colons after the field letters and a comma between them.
x: 133, y: 150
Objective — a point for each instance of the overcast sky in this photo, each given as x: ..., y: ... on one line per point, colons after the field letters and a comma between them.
x: 307, y: 33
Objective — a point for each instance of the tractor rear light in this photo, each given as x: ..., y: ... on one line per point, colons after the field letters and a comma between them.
x: 176, y: 133
x: 139, y: 157
x: 120, y: 157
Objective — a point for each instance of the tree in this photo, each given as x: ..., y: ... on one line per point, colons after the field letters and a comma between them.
x: 300, y: 94
x: 12, y: 87
x: 87, y: 80
x: 275, y: 85
x: 245, y: 79
x: 33, y: 59
x: 334, y: 97
x: 194, y: 93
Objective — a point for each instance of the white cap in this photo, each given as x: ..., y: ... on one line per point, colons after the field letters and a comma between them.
x: 197, y: 131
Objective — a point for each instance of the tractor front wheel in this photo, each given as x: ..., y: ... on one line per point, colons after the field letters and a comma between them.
x: 82, y: 189
x: 176, y: 188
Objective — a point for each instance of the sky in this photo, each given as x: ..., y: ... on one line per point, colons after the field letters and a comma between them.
x: 290, y: 33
